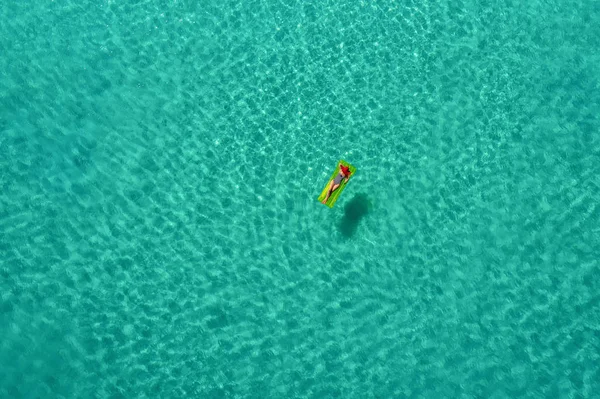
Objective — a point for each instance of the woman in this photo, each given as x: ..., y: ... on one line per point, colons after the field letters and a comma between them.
x: 335, y: 183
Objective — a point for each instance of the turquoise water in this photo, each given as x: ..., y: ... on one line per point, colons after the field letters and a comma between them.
x: 159, y: 229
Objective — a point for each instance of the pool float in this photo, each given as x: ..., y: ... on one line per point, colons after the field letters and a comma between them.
x: 336, y: 194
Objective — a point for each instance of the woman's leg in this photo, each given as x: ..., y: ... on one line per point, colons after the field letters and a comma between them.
x: 332, y: 188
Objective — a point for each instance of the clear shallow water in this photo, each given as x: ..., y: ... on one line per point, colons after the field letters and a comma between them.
x: 159, y: 230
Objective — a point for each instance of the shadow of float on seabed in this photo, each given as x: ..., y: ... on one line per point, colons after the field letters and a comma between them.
x: 355, y: 210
